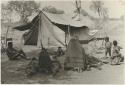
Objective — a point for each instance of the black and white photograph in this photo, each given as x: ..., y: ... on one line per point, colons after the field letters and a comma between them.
x: 62, y: 41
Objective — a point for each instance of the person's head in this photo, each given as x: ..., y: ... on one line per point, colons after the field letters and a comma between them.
x: 43, y: 50
x: 115, y: 43
x: 59, y: 47
x: 10, y: 44
x: 107, y: 39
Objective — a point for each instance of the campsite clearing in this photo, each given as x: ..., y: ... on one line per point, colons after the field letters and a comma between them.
x: 12, y: 72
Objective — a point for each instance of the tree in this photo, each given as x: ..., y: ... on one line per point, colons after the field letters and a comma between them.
x: 78, y: 9
x: 23, y: 8
x: 97, y: 6
x: 5, y: 13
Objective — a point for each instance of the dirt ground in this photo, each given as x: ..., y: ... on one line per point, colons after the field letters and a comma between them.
x: 12, y: 72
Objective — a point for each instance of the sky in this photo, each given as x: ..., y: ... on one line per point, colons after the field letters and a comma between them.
x: 115, y: 8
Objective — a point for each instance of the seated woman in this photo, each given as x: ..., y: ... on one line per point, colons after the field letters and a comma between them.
x: 45, y: 62
x: 14, y: 54
x: 116, y: 55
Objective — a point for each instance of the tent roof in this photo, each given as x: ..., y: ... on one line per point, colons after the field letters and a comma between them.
x: 66, y: 19
x: 62, y: 20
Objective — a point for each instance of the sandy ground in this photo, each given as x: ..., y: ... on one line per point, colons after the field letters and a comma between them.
x: 12, y: 72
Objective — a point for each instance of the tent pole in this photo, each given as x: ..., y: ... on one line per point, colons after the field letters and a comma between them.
x: 65, y: 39
x: 69, y: 31
x: 48, y: 42
x: 40, y: 31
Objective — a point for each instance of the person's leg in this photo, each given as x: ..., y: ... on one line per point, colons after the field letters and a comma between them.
x: 110, y: 52
x: 15, y: 56
x: 111, y: 60
x: 119, y: 58
x: 106, y: 51
x: 22, y: 54
x: 110, y: 57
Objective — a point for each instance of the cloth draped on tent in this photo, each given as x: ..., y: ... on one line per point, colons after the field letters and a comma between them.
x: 75, y: 55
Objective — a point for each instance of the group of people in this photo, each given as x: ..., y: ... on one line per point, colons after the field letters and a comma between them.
x: 114, y: 54
x: 42, y: 63
x: 75, y: 58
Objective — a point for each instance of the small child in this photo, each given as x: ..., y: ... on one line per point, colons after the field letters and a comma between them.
x: 60, y: 51
x: 108, y: 46
x: 116, y: 55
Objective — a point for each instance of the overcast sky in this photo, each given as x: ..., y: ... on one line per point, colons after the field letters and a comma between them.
x: 115, y: 7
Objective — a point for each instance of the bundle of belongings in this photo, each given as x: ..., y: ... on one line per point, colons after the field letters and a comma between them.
x: 77, y: 59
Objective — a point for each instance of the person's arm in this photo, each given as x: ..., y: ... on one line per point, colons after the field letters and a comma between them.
x: 14, y: 50
x: 120, y: 47
x: 86, y: 41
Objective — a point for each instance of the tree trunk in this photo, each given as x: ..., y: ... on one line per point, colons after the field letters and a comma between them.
x: 24, y: 19
x: 6, y: 35
x: 98, y: 12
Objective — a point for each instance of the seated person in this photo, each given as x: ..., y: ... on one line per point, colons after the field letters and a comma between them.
x: 60, y: 51
x: 45, y: 62
x: 14, y: 54
x: 116, y: 55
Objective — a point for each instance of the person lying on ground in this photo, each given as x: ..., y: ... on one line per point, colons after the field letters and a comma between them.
x: 14, y: 54
x: 116, y: 55
x: 108, y: 46
x: 60, y: 52
x: 45, y: 62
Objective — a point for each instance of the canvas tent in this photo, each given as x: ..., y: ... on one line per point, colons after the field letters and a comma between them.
x: 42, y: 29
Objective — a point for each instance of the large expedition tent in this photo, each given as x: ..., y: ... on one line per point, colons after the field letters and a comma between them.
x: 42, y: 29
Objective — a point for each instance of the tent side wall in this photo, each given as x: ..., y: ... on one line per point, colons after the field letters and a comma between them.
x: 47, y: 36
